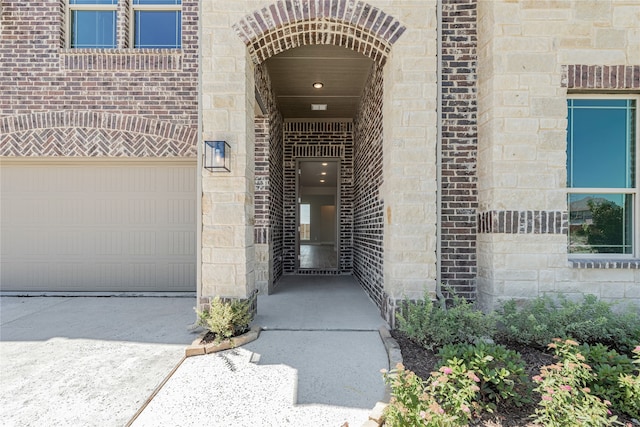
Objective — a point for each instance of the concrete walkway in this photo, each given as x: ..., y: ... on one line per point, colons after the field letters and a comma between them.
x: 317, y: 363
x: 95, y: 361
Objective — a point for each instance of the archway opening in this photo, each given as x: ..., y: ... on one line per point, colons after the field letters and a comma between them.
x: 320, y: 103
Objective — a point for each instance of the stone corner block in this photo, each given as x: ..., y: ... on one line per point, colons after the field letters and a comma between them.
x: 194, y: 350
x: 377, y: 413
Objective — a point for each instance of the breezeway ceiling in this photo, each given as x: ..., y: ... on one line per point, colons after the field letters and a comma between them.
x: 342, y: 71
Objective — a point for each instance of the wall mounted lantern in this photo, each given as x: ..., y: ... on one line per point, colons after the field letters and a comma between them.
x: 216, y: 156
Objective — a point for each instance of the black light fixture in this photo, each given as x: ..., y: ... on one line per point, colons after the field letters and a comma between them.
x: 216, y: 156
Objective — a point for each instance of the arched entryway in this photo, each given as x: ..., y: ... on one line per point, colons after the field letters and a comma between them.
x: 381, y: 147
x: 319, y: 79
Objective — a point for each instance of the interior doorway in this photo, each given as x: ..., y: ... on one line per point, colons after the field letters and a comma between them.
x: 318, y: 207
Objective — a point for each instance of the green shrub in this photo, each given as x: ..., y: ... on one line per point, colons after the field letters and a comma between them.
x: 608, y: 366
x: 449, y: 397
x: 455, y: 388
x: 630, y: 386
x: 226, y: 319
x: 589, y: 321
x: 566, y: 399
x: 432, y: 326
x: 501, y: 371
x: 410, y: 405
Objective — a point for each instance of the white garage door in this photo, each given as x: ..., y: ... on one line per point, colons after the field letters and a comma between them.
x: 102, y: 226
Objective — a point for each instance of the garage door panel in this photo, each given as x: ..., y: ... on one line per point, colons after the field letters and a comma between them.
x: 98, y: 228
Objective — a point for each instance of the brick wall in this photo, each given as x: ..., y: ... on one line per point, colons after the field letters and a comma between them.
x: 322, y: 140
x: 368, y: 213
x: 268, y: 230
x: 459, y: 146
x: 120, y: 102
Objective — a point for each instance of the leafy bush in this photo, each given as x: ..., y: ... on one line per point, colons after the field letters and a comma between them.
x: 456, y: 389
x: 432, y: 327
x: 447, y: 398
x: 501, y: 371
x: 608, y: 366
x: 589, y: 321
x: 630, y: 386
x: 566, y: 400
x: 226, y: 319
x: 411, y: 406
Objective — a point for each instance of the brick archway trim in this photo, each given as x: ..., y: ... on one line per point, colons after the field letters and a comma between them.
x: 93, y: 134
x: 287, y: 24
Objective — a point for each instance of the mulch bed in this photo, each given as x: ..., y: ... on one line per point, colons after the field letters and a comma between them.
x: 210, y: 337
x: 422, y: 362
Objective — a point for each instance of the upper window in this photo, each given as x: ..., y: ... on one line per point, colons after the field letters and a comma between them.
x: 603, y: 191
x: 157, y: 24
x: 152, y: 24
x: 92, y: 23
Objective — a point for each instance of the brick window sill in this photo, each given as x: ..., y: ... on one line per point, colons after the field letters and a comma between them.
x: 630, y: 263
x: 127, y: 51
x: 121, y: 59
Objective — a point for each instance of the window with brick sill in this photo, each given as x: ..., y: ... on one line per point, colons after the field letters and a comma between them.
x: 153, y: 24
x: 603, y: 191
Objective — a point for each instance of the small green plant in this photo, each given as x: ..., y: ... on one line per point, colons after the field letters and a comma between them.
x: 448, y: 398
x: 566, y: 400
x: 432, y: 326
x: 501, y: 371
x: 590, y: 321
x: 630, y: 387
x: 226, y: 319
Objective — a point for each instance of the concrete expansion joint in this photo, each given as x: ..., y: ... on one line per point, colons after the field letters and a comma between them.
x: 155, y: 392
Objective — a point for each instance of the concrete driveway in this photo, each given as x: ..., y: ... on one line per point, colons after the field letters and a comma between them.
x: 86, y: 361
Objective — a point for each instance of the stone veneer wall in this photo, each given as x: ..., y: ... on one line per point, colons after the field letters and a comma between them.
x: 459, y: 147
x: 530, y: 54
x: 368, y: 212
x: 268, y: 231
x: 94, y: 102
x: 304, y: 140
x: 409, y: 189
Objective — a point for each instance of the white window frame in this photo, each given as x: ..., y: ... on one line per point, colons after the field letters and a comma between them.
x: 634, y: 191
x: 150, y: 8
x: 87, y: 7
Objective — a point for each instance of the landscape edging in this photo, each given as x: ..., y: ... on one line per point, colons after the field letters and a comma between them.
x: 197, y: 348
x: 394, y: 355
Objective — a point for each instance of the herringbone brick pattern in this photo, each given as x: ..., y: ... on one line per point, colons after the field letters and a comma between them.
x: 92, y: 134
